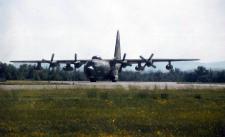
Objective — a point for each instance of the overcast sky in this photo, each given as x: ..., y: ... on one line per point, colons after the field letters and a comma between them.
x: 33, y: 29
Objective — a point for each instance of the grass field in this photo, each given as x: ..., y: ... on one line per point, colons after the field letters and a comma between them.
x: 114, y: 112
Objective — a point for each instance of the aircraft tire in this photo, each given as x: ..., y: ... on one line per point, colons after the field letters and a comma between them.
x: 92, y: 80
x: 114, y: 80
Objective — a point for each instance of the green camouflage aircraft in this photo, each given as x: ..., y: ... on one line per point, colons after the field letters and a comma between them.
x: 104, y: 69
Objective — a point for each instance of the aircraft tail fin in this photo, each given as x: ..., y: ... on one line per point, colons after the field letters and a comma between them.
x: 117, y: 53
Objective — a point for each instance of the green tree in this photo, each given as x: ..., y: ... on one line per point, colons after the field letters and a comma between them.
x: 202, y: 74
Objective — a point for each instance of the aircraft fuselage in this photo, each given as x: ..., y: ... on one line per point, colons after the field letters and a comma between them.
x: 97, y: 69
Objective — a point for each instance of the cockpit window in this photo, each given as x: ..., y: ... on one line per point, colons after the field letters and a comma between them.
x: 96, y: 57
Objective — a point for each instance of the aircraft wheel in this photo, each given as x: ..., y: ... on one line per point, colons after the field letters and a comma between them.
x: 114, y: 80
x: 92, y: 80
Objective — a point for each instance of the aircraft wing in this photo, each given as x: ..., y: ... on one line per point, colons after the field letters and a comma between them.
x: 48, y: 61
x: 27, y: 61
x: 150, y: 62
x: 135, y: 61
x: 82, y: 61
x: 52, y: 61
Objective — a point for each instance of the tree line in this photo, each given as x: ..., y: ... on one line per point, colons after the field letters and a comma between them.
x: 200, y: 74
x: 28, y: 72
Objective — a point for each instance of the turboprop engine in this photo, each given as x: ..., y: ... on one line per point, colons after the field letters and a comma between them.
x: 169, y: 66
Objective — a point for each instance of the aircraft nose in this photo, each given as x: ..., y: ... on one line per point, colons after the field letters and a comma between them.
x: 90, y: 71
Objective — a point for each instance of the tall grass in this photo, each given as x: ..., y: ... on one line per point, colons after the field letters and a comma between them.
x: 113, y: 112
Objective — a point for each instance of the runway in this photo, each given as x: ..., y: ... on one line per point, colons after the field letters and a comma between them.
x: 108, y: 85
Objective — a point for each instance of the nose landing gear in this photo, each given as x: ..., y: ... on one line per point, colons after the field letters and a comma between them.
x: 114, y: 79
x: 92, y: 79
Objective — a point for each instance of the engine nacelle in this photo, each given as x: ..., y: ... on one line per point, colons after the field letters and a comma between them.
x: 149, y: 63
x: 38, y: 67
x: 125, y: 64
x: 54, y: 64
x: 169, y: 67
x: 68, y: 68
x: 77, y: 64
x: 139, y: 67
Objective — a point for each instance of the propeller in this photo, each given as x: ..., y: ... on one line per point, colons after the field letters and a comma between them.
x: 149, y: 62
x: 51, y: 63
x: 77, y: 64
x: 75, y: 57
x: 52, y: 57
x: 123, y: 62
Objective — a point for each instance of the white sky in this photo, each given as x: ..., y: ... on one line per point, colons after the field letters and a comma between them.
x: 33, y: 29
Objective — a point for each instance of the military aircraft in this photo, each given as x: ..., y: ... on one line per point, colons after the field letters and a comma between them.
x: 104, y: 69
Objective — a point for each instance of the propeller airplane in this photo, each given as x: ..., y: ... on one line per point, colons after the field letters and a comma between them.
x: 104, y: 69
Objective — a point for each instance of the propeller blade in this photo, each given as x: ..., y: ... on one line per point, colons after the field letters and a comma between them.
x: 52, y: 57
x: 75, y: 70
x: 124, y: 56
x: 151, y: 57
x: 75, y: 57
x: 46, y: 61
x: 49, y: 67
x: 153, y: 66
x: 143, y: 58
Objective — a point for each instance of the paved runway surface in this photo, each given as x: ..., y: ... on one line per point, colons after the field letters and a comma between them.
x: 110, y: 85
